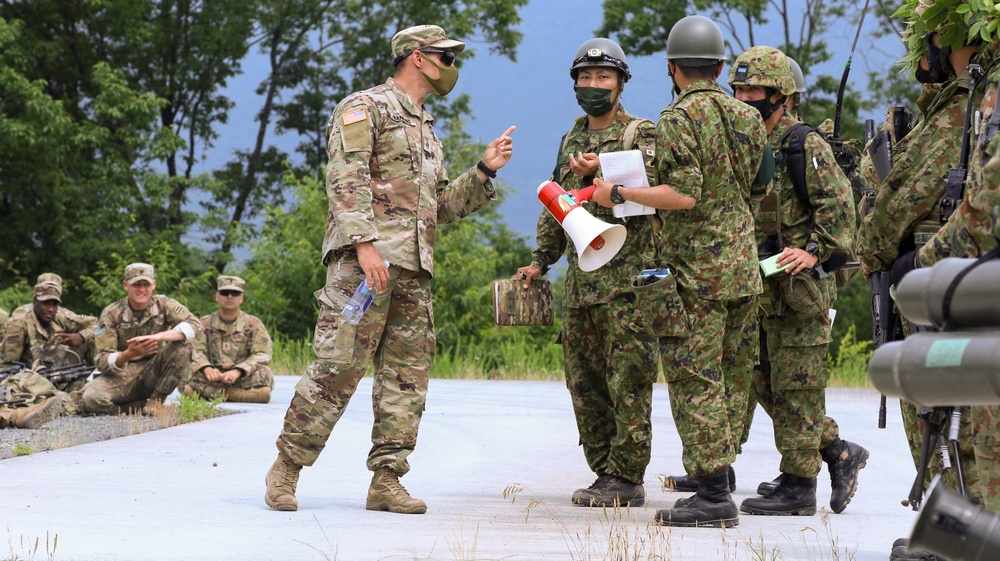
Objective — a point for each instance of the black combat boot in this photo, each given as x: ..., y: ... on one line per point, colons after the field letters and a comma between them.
x: 902, y: 552
x: 767, y: 487
x: 712, y: 506
x: 689, y: 483
x: 611, y: 490
x: 794, y: 495
x: 845, y: 459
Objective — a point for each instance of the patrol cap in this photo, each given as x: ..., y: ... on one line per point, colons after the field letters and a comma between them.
x: 229, y: 282
x: 49, y: 277
x: 139, y: 271
x: 422, y: 37
x: 48, y: 291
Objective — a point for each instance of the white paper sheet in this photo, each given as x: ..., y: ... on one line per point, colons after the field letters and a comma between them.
x: 626, y: 168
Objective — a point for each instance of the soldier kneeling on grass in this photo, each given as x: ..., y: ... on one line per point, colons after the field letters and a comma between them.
x: 230, y: 357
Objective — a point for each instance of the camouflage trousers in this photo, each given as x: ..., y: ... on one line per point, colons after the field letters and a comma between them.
x: 261, y: 377
x: 708, y: 375
x: 396, y: 334
x: 33, y: 388
x: 610, y: 371
x: 140, y: 379
x: 790, y: 385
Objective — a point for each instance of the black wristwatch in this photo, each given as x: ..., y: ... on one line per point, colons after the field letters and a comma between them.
x: 812, y: 248
x: 615, y: 196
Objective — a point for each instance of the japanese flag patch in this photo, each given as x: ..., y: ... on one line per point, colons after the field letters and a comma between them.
x: 355, y: 116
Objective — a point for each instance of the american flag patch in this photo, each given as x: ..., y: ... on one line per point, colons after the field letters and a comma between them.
x: 355, y: 116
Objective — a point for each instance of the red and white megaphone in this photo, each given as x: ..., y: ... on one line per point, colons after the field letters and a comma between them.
x: 596, y: 241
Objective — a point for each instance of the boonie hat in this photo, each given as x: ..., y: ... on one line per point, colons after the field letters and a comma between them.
x: 139, y: 271
x: 229, y: 282
x: 48, y: 291
x: 422, y: 37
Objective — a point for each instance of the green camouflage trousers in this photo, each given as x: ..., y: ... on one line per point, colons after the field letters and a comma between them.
x: 790, y: 384
x: 141, y: 378
x: 708, y: 375
x: 610, y: 371
x: 397, y: 335
x: 986, y: 446
x: 260, y: 378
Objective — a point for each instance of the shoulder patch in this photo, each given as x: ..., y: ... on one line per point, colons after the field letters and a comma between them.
x: 355, y: 116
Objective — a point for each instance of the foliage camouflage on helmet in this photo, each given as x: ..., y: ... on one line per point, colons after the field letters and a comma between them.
x: 600, y: 51
x: 696, y: 41
x: 959, y: 23
x: 800, y: 78
x: 764, y: 67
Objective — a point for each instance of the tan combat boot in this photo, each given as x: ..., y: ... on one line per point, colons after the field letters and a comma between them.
x: 281, y: 480
x: 255, y: 395
x: 154, y: 404
x: 38, y: 414
x: 386, y: 493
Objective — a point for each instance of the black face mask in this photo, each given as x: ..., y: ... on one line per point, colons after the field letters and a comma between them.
x: 765, y: 107
x: 937, y: 62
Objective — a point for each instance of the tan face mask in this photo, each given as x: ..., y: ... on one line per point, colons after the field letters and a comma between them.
x: 446, y: 80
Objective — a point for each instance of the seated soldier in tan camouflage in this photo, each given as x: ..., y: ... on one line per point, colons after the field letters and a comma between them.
x: 231, y: 356
x: 69, y: 323
x: 41, y: 334
x: 143, y: 347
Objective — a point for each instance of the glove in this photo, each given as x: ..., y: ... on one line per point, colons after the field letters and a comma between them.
x: 902, y: 265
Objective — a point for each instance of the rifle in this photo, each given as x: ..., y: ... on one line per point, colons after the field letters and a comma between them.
x: 66, y: 375
x: 11, y: 370
x: 5, y: 402
x: 955, y: 186
x: 844, y: 156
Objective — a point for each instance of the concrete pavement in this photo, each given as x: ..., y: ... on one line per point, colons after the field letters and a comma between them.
x: 496, y: 464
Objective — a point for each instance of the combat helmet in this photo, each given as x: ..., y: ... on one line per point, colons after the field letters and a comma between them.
x: 600, y: 51
x: 765, y: 67
x: 696, y: 41
x: 800, y: 78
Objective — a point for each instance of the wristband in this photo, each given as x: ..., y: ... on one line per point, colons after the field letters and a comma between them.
x: 486, y: 169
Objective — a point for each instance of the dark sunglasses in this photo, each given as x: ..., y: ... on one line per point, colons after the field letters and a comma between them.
x: 230, y: 293
x: 447, y: 57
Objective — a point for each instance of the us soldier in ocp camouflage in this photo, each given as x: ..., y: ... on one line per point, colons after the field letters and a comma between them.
x: 709, y: 148
x: 143, y: 345
x: 79, y: 329
x: 388, y: 190
x: 790, y: 382
x: 610, y: 368
x: 231, y: 355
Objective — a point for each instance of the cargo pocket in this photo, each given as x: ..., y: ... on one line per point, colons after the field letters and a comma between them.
x: 801, y: 294
x: 661, y: 309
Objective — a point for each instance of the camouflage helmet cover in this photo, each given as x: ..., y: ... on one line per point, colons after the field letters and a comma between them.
x: 600, y: 51
x: 764, y: 67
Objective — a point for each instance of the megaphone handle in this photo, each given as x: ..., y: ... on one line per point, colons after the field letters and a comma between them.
x: 581, y: 195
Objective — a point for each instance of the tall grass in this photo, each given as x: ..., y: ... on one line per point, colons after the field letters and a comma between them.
x: 516, y: 357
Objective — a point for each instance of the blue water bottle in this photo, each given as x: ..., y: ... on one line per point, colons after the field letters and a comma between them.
x: 359, y: 302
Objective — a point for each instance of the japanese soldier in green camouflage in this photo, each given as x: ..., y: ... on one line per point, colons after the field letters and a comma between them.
x: 808, y: 223
x: 388, y: 191
x: 143, y: 346
x: 610, y: 368
x: 231, y: 354
x: 709, y: 148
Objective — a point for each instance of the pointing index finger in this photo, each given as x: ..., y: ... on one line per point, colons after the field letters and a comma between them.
x: 508, y: 131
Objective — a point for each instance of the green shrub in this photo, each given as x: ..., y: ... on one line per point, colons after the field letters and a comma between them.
x: 195, y: 408
x: 850, y: 367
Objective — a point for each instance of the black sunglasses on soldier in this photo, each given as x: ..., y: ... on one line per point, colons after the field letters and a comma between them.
x: 230, y: 292
x: 447, y: 57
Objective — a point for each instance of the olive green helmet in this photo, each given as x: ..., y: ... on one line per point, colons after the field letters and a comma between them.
x: 800, y: 78
x: 696, y: 41
x: 765, y: 67
x: 600, y: 51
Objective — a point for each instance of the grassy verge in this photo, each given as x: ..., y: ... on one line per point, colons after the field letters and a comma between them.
x: 515, y: 357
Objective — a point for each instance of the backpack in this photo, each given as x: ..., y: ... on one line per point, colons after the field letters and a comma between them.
x: 794, y: 158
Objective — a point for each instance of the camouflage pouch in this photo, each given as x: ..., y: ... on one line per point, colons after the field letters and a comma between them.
x: 30, y: 386
x: 660, y: 307
x: 801, y: 293
x: 515, y: 305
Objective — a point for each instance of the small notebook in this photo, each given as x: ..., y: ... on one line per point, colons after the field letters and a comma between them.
x: 770, y: 266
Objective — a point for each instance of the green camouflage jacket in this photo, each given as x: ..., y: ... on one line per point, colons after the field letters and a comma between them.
x: 386, y: 180
x: 709, y: 146
x: 910, y: 195
x: 243, y: 344
x: 615, y: 278
x: 970, y: 232
x: 119, y: 323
